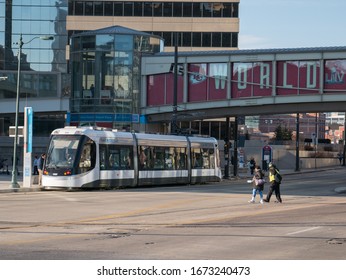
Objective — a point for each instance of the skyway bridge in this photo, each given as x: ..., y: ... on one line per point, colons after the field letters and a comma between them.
x: 214, y: 84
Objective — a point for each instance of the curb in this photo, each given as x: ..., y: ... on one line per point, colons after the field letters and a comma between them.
x: 22, y: 190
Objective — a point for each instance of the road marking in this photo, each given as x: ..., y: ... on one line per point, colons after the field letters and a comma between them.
x: 301, y: 231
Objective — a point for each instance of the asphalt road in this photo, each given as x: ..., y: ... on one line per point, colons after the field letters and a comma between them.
x: 212, y: 221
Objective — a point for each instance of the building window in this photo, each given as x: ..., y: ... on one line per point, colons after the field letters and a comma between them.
x: 187, y: 9
x: 108, y: 8
x: 177, y: 9
x: 148, y: 9
x: 196, y: 10
x: 196, y: 39
x: 167, y: 9
x: 89, y: 9
x: 78, y: 8
x: 156, y: 9
x: 128, y: 9
x: 98, y: 6
x: 216, y: 41
x: 137, y: 9
x: 186, y: 39
x: 206, y: 39
x: 118, y: 9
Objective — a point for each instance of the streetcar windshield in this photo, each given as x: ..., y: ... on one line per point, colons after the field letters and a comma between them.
x: 62, y: 151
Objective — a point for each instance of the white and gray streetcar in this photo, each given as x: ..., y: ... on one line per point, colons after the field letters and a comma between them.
x: 88, y: 157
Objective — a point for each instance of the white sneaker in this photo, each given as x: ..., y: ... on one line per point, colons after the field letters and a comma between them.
x: 251, y: 201
x: 261, y: 201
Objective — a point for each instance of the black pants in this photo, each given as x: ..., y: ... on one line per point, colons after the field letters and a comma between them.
x: 35, y: 170
x: 274, y: 187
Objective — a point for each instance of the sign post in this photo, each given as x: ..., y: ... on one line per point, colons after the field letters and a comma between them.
x: 28, y: 130
x: 266, y: 157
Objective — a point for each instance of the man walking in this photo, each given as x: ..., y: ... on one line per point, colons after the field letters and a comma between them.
x: 275, y: 181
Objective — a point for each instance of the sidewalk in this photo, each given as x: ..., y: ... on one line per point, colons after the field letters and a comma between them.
x: 5, y: 180
x: 5, y: 184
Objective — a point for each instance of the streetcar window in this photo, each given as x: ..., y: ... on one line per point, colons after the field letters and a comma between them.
x: 116, y: 157
x: 88, y: 157
x: 62, y: 152
x: 203, y: 158
x: 161, y: 158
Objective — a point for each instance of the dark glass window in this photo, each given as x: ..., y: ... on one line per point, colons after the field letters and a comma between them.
x: 118, y: 9
x: 215, y: 129
x: 108, y: 8
x: 157, y: 9
x: 71, y: 8
x: 186, y: 41
x: 187, y: 9
x: 227, y: 11
x: 98, y: 7
x: 177, y: 9
x: 196, y: 39
x: 207, y: 9
x: 148, y: 9
x: 206, y: 39
x: 205, y: 129
x: 89, y: 9
x: 235, y: 10
x: 78, y: 6
x: 197, y: 9
x: 167, y: 9
x: 234, y: 40
x: 217, y: 9
x: 137, y: 9
x: 128, y: 9
x: 88, y: 42
x: 167, y: 36
x: 226, y: 39
x: 216, y: 42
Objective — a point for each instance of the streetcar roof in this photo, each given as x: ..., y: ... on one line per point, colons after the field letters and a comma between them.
x: 109, y: 133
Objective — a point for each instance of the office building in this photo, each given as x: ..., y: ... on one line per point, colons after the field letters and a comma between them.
x: 204, y: 25
x: 44, y: 78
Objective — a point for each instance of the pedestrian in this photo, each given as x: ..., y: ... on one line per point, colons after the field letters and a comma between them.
x: 40, y: 168
x: 275, y: 181
x: 258, y: 184
x: 36, y: 165
x: 252, y: 164
x: 340, y: 157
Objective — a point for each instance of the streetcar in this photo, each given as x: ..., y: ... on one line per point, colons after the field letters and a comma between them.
x: 92, y: 157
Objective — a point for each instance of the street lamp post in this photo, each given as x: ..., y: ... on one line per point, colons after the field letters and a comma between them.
x: 20, y: 43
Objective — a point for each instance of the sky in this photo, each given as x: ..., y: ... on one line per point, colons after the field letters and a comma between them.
x: 292, y: 23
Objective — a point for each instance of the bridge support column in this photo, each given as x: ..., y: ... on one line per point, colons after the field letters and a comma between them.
x: 235, y: 156
x: 344, y: 142
x: 297, y: 143
x: 226, y: 149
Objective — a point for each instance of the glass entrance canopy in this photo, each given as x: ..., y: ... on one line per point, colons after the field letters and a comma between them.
x: 106, y: 75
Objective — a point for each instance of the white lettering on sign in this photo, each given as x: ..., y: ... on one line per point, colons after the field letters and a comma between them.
x: 242, y: 76
x: 311, y: 74
x: 219, y: 72
x: 265, y: 75
x: 335, y: 77
x: 285, y: 85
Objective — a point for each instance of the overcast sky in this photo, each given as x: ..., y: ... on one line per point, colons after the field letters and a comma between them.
x: 292, y: 23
